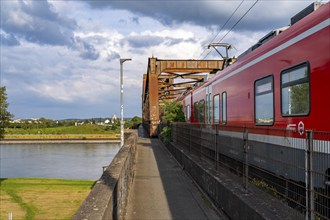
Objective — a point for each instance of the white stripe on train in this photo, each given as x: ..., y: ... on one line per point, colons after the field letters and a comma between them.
x: 287, y: 44
x: 319, y: 146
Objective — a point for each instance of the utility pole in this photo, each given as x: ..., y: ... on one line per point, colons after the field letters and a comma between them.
x: 122, y: 102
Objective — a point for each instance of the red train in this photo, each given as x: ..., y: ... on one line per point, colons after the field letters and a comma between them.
x: 282, y: 82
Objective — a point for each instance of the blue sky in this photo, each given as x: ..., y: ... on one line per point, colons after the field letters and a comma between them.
x: 60, y: 59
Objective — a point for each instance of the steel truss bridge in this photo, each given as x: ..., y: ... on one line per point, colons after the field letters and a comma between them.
x: 168, y: 80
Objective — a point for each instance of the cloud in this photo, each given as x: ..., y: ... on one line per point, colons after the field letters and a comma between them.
x: 86, y: 50
x: 46, y: 48
x: 136, y: 20
x: 39, y: 23
x: 147, y: 39
x: 112, y: 55
x: 36, y: 21
x: 143, y: 41
x: 208, y: 13
x: 8, y: 39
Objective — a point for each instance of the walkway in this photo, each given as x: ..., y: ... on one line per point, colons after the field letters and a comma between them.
x: 161, y: 189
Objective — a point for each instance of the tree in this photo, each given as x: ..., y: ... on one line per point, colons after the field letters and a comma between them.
x: 133, y: 123
x: 136, y: 119
x: 5, y: 116
x: 172, y: 112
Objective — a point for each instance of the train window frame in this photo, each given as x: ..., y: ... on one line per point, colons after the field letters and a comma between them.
x: 210, y: 110
x: 196, y: 111
x: 188, y: 114
x: 202, y: 107
x: 207, y: 107
x: 263, y: 81
x: 224, y: 108
x: 292, y: 83
x: 218, y: 104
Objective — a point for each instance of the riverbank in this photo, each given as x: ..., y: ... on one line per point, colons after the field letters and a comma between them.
x: 38, y: 198
x: 63, y: 139
x: 59, y: 141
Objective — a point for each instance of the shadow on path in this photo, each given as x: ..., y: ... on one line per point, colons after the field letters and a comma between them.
x: 161, y: 189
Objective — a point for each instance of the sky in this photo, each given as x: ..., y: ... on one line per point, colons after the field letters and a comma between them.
x: 60, y: 59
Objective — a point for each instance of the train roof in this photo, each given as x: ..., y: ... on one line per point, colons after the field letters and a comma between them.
x: 310, y: 16
x: 300, y: 15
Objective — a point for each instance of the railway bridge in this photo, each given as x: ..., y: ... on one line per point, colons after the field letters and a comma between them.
x: 166, y: 80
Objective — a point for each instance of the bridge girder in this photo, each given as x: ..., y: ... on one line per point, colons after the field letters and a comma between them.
x: 159, y: 85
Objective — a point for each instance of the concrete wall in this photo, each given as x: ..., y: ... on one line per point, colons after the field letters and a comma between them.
x: 227, y: 193
x: 108, y: 198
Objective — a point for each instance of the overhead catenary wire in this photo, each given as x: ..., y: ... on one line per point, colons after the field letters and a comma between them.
x: 239, y: 20
x: 232, y: 14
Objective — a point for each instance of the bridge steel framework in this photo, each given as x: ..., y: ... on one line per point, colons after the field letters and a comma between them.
x: 160, y: 83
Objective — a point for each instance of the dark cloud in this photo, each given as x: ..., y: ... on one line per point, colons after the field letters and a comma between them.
x: 36, y: 21
x: 265, y: 15
x: 143, y: 41
x: 122, y: 21
x: 146, y: 41
x: 86, y: 50
x: 136, y: 20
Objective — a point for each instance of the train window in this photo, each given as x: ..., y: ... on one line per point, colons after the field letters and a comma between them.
x: 295, y: 91
x: 196, y: 108
x: 264, y: 101
x: 216, y: 109
x: 188, y: 113
x: 224, y: 107
x: 202, y: 111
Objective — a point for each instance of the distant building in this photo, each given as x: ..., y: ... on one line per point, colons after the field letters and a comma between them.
x: 113, y: 118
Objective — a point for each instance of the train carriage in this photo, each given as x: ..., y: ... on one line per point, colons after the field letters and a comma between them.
x: 281, y: 83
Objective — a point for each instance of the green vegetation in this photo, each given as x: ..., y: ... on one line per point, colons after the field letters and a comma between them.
x: 34, y: 198
x: 5, y: 116
x: 265, y: 187
x: 63, y: 132
x: 68, y: 129
x: 172, y: 112
x: 166, y: 134
x: 83, y: 129
x: 133, y: 123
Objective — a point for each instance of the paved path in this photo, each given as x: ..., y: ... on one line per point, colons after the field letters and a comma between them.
x: 161, y: 190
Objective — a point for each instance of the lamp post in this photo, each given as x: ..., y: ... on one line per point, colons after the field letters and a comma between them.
x: 122, y: 102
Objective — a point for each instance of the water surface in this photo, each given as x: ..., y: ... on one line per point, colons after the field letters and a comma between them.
x: 69, y: 161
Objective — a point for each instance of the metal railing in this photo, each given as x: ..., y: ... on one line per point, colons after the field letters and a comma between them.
x: 292, y: 167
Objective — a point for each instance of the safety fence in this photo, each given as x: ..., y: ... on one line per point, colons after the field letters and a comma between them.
x: 294, y: 167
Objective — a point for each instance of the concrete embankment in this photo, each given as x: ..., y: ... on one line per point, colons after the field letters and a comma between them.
x: 145, y: 175
x: 108, y: 198
x: 227, y: 192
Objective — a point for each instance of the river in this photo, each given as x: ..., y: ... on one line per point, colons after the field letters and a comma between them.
x: 68, y: 161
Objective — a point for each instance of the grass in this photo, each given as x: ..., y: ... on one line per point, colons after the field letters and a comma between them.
x: 63, y: 136
x: 37, y: 198
x: 83, y: 129
x: 62, y: 132
x: 265, y: 187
